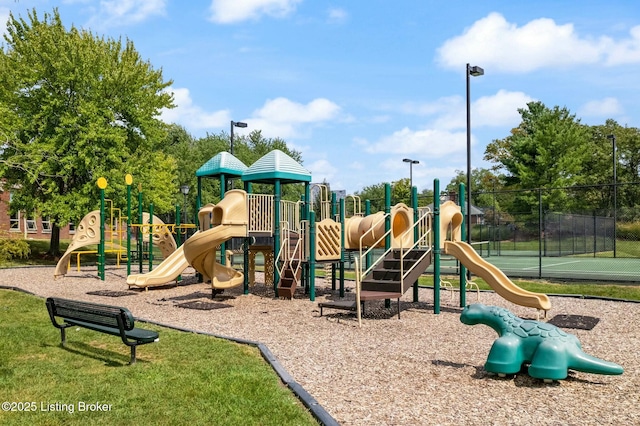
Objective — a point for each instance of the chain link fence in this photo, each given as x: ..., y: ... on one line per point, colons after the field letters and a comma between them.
x: 587, y: 222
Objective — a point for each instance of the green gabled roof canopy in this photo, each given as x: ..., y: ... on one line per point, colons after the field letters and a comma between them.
x: 276, y: 165
x: 222, y: 163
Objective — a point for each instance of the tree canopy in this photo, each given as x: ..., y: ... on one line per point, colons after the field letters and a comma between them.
x: 75, y: 107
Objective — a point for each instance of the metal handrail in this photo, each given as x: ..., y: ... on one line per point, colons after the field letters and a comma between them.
x: 358, y: 281
x: 373, y: 226
x: 423, y: 223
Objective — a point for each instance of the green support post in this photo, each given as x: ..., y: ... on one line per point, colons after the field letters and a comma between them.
x: 128, y: 179
x: 463, y: 237
x: 151, y: 237
x: 436, y: 246
x: 333, y: 264
x: 102, y: 184
x: 306, y: 209
x: 223, y: 190
x: 367, y: 212
x: 178, y: 237
x: 276, y: 234
x: 312, y: 256
x: 139, y: 239
x: 247, y: 243
x: 414, y: 206
x: 198, y: 202
x: 342, y: 250
x: 304, y: 215
x: 387, y: 226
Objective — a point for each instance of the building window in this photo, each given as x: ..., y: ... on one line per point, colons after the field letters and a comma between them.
x: 31, y: 225
x: 72, y: 228
x: 14, y: 222
x: 46, y: 226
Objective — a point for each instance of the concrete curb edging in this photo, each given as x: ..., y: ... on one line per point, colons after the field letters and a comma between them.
x: 320, y: 414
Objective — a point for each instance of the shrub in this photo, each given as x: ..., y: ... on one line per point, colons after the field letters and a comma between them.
x: 628, y: 231
x: 13, y: 248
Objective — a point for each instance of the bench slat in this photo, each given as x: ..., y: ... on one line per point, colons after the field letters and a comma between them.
x: 106, y: 319
x: 140, y: 335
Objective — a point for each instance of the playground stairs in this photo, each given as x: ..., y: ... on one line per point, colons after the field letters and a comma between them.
x: 385, y: 280
x: 291, y: 271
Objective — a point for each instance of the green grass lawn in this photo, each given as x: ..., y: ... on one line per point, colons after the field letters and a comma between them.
x: 184, y: 379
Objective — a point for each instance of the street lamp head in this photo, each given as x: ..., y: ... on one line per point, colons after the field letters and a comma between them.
x: 612, y: 137
x: 475, y: 71
x: 408, y: 160
x: 184, y: 189
x: 239, y: 124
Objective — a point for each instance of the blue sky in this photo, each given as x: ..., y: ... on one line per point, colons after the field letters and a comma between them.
x: 357, y: 86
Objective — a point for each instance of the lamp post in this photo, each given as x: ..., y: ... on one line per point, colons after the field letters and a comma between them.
x: 471, y: 71
x: 615, y: 191
x: 411, y: 163
x: 236, y: 124
x: 185, y: 190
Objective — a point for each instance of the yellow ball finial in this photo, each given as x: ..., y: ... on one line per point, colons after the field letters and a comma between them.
x: 128, y: 179
x: 102, y: 183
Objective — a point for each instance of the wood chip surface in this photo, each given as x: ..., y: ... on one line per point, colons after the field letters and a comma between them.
x: 421, y: 369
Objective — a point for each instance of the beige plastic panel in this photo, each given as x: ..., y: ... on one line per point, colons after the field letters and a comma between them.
x: 328, y: 240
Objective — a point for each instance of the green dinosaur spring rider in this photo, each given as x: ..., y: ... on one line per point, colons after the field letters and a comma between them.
x: 549, y: 351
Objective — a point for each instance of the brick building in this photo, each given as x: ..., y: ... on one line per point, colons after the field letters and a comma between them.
x: 25, y: 225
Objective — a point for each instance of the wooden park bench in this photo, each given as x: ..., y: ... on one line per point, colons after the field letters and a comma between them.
x: 112, y: 320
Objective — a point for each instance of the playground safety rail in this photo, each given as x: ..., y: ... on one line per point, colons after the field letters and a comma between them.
x: 423, y: 225
x: 260, y: 210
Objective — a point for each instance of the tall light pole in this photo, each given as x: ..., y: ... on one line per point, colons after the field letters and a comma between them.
x: 615, y: 191
x: 471, y: 71
x: 411, y: 163
x: 185, y: 190
x: 236, y: 124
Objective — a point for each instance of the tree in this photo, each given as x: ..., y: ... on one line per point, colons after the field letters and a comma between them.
x: 375, y: 195
x: 75, y: 107
x: 484, y: 184
x: 600, y: 167
x: 401, y: 192
x: 545, y: 151
x: 190, y: 154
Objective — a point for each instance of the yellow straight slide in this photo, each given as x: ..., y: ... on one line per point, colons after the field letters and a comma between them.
x: 167, y: 271
x: 495, y: 277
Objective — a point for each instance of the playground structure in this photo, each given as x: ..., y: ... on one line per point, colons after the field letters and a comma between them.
x: 450, y: 223
x: 88, y: 234
x: 391, y: 249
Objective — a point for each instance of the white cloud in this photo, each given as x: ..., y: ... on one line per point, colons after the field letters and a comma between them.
x: 337, y: 15
x: 406, y: 141
x: 193, y: 117
x: 282, y: 117
x: 4, y: 17
x: 125, y: 12
x: 499, y: 110
x: 501, y: 46
x: 231, y: 11
x: 446, y: 134
x: 626, y: 51
x: 488, y: 111
x: 322, y: 170
x: 607, y: 107
x: 284, y: 110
